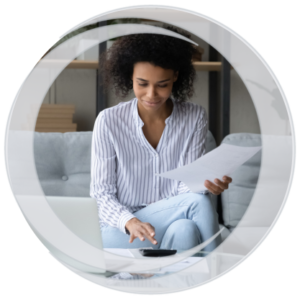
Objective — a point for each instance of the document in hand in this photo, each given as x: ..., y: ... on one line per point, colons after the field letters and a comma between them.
x: 223, y: 160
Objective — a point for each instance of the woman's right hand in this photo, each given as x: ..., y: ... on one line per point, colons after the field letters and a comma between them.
x: 138, y: 229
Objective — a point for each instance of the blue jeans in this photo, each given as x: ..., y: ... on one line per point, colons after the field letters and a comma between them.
x: 181, y: 222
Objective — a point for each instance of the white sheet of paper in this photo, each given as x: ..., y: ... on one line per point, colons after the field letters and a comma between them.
x: 223, y: 160
x: 202, y: 268
x: 119, y: 251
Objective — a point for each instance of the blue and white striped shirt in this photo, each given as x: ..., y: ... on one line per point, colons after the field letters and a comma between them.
x: 123, y: 162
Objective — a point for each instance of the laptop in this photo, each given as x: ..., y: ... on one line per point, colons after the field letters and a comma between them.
x: 80, y: 215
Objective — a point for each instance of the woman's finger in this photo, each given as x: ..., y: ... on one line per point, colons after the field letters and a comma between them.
x: 221, y: 184
x: 149, y: 236
x: 218, y: 190
x: 150, y: 229
x: 140, y: 236
x: 227, y: 179
x: 214, y: 189
x: 131, y: 239
x: 211, y: 187
x: 150, y: 233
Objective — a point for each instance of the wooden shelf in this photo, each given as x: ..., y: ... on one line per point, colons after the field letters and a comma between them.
x: 91, y: 64
x: 207, y: 65
x: 83, y: 64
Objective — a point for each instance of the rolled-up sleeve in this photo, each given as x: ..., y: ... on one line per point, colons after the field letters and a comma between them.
x: 103, y: 178
x: 196, y: 147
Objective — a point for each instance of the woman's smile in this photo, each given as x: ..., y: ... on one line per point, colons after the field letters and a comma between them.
x: 152, y: 103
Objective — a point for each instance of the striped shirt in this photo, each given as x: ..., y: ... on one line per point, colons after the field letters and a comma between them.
x: 123, y: 162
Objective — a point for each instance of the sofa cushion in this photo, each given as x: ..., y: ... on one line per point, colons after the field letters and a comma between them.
x: 237, y: 198
x: 63, y: 163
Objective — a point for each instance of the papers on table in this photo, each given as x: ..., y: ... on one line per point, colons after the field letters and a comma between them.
x: 119, y: 251
x: 176, y: 267
x: 223, y: 160
x: 188, y: 262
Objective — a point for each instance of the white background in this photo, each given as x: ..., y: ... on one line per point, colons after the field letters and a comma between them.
x: 28, y: 30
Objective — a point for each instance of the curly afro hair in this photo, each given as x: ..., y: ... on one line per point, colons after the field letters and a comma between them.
x: 117, y: 63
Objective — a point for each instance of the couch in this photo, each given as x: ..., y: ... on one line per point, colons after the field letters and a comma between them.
x: 63, y: 166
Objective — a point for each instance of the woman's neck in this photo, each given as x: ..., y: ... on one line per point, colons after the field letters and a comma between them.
x: 159, y: 115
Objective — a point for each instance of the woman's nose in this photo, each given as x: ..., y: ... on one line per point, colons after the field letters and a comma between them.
x: 151, y: 92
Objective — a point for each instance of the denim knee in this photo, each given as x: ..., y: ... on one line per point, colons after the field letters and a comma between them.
x: 201, y: 200
x: 198, y: 196
x: 182, y: 234
x: 184, y: 227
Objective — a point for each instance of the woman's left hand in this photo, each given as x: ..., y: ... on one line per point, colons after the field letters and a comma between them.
x: 219, y: 186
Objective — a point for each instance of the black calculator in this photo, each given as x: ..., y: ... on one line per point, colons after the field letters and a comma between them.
x: 156, y: 252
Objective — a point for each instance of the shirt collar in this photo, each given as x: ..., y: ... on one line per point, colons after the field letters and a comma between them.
x: 138, y: 121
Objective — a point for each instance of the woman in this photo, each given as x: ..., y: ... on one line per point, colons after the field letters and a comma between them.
x: 154, y: 132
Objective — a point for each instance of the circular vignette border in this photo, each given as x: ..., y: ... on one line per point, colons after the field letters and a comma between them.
x: 276, y: 172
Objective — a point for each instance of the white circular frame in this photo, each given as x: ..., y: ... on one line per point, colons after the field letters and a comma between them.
x: 277, y: 163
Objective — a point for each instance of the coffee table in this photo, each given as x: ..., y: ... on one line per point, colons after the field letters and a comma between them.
x: 204, y: 267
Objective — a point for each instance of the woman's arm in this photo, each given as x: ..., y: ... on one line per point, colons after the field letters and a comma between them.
x: 103, y: 178
x: 103, y: 187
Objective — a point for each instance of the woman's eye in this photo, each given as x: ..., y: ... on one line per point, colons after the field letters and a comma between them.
x: 161, y: 86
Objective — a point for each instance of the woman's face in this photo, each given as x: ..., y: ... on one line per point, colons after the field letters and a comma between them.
x: 152, y: 85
